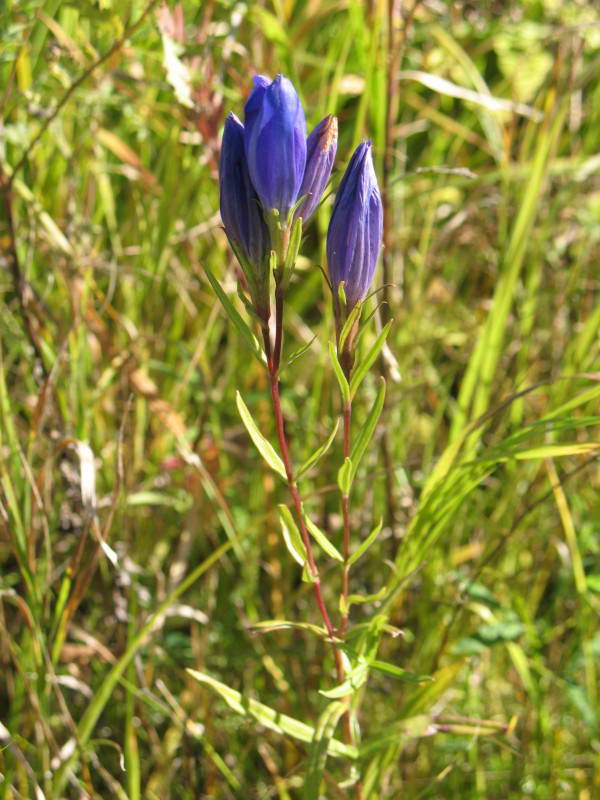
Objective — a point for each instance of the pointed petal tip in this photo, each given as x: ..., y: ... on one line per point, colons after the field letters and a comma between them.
x: 233, y: 119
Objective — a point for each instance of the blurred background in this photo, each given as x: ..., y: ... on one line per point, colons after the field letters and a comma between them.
x: 118, y: 372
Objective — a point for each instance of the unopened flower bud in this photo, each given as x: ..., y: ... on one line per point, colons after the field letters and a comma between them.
x: 321, y: 146
x: 356, y: 227
x: 240, y: 209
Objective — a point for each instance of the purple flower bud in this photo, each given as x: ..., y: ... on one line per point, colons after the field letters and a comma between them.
x: 275, y: 141
x: 320, y: 154
x: 240, y: 209
x: 355, y: 229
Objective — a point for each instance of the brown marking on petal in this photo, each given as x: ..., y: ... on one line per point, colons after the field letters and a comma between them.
x: 329, y: 135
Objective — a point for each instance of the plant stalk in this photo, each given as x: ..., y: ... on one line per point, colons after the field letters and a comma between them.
x: 273, y: 357
x: 273, y: 360
x: 346, y: 518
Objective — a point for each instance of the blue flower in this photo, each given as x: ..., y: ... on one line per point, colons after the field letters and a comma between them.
x: 240, y: 209
x: 356, y: 227
x: 321, y: 146
x: 275, y: 143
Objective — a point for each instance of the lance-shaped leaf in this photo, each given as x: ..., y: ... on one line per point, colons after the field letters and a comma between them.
x: 361, y: 369
x: 364, y: 546
x: 270, y: 625
x: 319, y: 452
x: 361, y: 599
x: 351, y: 321
x: 322, y: 539
x: 339, y: 374
x: 345, y: 475
x: 398, y: 673
x: 298, y: 353
x: 247, y: 335
x: 294, y: 247
x: 357, y: 676
x: 291, y: 535
x: 263, y: 446
x: 269, y: 717
x: 366, y: 432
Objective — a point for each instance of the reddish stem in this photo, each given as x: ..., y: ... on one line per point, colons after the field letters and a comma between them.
x: 278, y: 326
x: 273, y: 362
x: 297, y: 500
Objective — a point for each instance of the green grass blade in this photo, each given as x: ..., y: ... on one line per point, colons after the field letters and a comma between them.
x: 317, y: 755
x: 103, y: 694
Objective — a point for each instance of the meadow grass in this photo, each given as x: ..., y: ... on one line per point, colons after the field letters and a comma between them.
x: 139, y: 535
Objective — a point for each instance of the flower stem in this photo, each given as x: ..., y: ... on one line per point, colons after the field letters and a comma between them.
x: 346, y: 518
x: 273, y: 357
x: 273, y: 354
x: 278, y: 327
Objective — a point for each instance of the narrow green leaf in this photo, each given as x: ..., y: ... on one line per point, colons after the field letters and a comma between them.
x: 248, y: 305
x: 398, y: 673
x: 356, y: 678
x: 299, y: 352
x: 319, y: 452
x: 361, y: 369
x: 366, y: 432
x: 353, y: 317
x: 556, y: 450
x: 307, y: 576
x: 317, y: 755
x: 294, y: 246
x: 247, y: 335
x: 345, y: 475
x: 322, y: 539
x: 361, y: 599
x: 263, y: 446
x: 269, y: 717
x: 273, y: 261
x: 270, y: 625
x: 291, y: 535
x: 365, y: 322
x: 339, y: 374
x: 364, y: 546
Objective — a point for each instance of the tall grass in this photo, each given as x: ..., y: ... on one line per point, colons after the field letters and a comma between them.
x: 138, y: 536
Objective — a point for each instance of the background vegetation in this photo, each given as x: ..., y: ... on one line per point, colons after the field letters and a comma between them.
x: 118, y: 374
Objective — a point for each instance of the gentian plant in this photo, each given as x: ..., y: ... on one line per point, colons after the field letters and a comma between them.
x: 272, y: 178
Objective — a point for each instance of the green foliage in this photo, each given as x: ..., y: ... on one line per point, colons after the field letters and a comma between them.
x: 156, y: 637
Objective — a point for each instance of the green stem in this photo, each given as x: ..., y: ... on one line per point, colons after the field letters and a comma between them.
x: 346, y: 519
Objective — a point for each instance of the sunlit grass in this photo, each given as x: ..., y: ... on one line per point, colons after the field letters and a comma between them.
x: 488, y: 492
